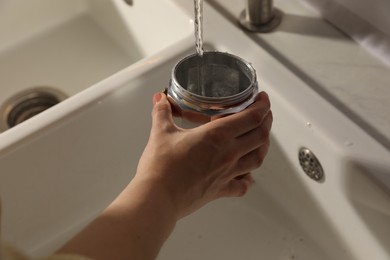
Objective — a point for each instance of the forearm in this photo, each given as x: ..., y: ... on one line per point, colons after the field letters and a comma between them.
x: 134, y: 226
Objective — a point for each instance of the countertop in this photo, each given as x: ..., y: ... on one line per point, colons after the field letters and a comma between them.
x: 329, y: 61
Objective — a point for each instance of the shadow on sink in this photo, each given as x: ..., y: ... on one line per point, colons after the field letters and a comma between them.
x: 368, y: 188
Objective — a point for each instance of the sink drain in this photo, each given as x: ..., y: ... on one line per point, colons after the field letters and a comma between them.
x: 27, y: 104
x: 310, y: 164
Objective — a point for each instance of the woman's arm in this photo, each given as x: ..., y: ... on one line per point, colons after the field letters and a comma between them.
x: 134, y: 226
x: 180, y: 171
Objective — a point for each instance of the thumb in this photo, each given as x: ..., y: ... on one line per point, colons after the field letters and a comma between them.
x: 162, y: 112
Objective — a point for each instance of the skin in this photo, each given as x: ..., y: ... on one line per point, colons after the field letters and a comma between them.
x: 180, y: 171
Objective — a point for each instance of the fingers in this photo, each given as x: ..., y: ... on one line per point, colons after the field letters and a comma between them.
x: 256, y: 143
x: 245, y: 135
x: 253, y: 146
x: 252, y: 160
x: 237, y: 187
x: 246, y: 120
x: 256, y: 137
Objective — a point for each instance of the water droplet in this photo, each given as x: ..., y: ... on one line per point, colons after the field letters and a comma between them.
x: 308, y: 124
x: 348, y: 143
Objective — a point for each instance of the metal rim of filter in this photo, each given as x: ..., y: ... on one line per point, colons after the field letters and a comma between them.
x: 28, y: 103
x: 187, y: 100
x: 310, y: 164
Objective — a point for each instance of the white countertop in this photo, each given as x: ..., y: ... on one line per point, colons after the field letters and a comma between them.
x: 329, y: 61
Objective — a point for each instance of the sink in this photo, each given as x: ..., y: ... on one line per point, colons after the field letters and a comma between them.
x: 70, y: 45
x: 59, y: 169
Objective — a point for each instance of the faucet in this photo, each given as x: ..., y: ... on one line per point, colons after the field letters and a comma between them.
x: 129, y: 2
x: 260, y: 16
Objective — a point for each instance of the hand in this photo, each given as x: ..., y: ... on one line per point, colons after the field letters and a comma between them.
x: 195, y: 166
x: 179, y: 171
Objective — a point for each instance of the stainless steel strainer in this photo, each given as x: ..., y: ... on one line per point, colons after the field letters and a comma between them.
x: 216, y: 83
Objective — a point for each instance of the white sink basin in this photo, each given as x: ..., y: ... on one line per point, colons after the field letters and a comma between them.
x: 61, y: 168
x: 71, y: 45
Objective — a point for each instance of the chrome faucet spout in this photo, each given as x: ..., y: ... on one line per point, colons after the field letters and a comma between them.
x: 129, y: 2
x: 260, y: 16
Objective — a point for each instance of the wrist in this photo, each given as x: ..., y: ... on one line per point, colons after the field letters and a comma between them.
x: 143, y: 195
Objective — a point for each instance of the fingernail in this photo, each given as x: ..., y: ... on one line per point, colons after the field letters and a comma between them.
x: 156, y: 98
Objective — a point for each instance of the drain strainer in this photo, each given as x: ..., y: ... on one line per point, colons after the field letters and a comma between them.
x: 27, y: 104
x: 310, y: 164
